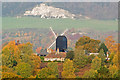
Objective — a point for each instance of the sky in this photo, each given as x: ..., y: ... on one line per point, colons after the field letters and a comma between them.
x: 59, y: 0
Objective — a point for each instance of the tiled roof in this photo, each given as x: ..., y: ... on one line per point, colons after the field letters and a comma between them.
x: 55, y: 55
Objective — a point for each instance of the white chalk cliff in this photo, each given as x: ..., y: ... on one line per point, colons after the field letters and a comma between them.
x: 45, y: 11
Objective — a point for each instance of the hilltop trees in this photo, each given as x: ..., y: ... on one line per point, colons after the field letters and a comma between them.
x: 88, y: 44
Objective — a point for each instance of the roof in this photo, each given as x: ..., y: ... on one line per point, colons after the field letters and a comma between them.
x: 43, y: 52
x: 54, y: 55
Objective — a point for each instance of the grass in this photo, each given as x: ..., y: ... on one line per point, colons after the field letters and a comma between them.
x: 36, y: 22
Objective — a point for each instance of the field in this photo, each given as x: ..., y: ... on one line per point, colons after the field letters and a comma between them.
x: 36, y: 22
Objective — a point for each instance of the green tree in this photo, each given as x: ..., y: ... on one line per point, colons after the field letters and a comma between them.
x: 24, y: 69
x: 103, y: 72
x: 53, y: 67
x: 70, y: 55
x: 68, y: 69
x: 102, y: 56
x: 45, y: 73
x: 103, y: 46
x: 80, y: 59
x: 96, y: 63
x: 90, y: 58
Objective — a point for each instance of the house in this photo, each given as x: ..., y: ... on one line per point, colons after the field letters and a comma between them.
x: 55, y: 56
x: 93, y: 53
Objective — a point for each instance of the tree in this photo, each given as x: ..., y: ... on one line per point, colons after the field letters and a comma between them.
x: 109, y: 42
x: 35, y: 63
x: 102, y: 46
x: 96, y: 63
x: 26, y: 48
x: 88, y: 44
x: 102, y: 56
x: 51, y: 71
x: 43, y: 73
x: 70, y: 55
x: 90, y: 74
x: 90, y: 58
x: 53, y: 66
x: 38, y: 49
x: 115, y: 59
x: 24, y: 69
x: 103, y: 72
x: 10, y: 54
x: 10, y: 75
x: 80, y: 59
x: 68, y: 69
x: 113, y: 69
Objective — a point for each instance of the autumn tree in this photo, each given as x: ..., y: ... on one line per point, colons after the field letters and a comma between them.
x: 96, y: 63
x: 24, y: 69
x: 90, y: 74
x: 68, y: 69
x: 35, y: 63
x: 10, y: 75
x: 88, y: 44
x: 109, y: 42
x: 113, y: 69
x: 26, y: 48
x: 115, y: 59
x: 38, y: 49
x: 10, y: 54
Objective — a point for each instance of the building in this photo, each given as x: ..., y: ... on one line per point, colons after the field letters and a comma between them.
x: 55, y: 56
x: 93, y: 54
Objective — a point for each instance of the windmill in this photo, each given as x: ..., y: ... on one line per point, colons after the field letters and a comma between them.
x: 61, y: 41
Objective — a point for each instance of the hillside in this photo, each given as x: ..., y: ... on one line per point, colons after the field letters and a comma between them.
x: 36, y: 22
x: 94, y: 10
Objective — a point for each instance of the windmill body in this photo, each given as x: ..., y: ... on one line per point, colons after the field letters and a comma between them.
x: 61, y: 41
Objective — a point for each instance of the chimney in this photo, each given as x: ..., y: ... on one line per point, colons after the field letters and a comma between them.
x: 57, y: 50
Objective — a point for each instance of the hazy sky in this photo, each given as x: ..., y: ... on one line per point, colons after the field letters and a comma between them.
x: 59, y: 0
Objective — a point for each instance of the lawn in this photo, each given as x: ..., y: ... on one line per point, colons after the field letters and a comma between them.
x: 36, y: 22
